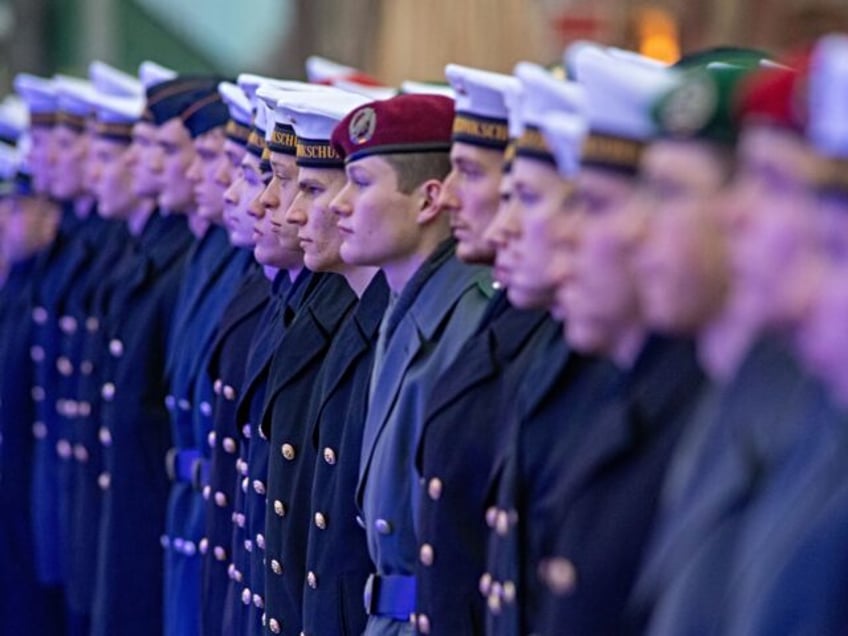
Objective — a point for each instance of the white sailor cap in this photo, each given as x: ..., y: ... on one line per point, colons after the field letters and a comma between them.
x: 482, y: 113
x: 565, y: 134
x: 150, y: 74
x: 313, y: 117
x: 112, y: 81
x: 827, y: 129
x: 39, y: 94
x: 14, y: 119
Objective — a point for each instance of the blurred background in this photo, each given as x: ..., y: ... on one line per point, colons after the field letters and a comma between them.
x: 391, y: 39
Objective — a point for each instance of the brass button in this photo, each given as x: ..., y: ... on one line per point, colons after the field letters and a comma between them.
x: 245, y: 431
x: 104, y: 480
x: 229, y: 392
x: 230, y: 445
x: 329, y: 456
x: 116, y: 348
x: 170, y: 402
x: 426, y: 554
x: 37, y: 393
x: 320, y: 521
x: 189, y: 548
x: 92, y: 324
x: 491, y: 516
x: 258, y: 487
x: 258, y: 601
x: 210, y: 439
x: 39, y: 430
x: 68, y: 325
x: 207, y: 492
x: 108, y: 391
x: 274, y: 626
x: 220, y: 553
x: 502, y: 523
x: 279, y: 508
x: 245, y: 596
x: 105, y: 436
x: 217, y: 386
x: 423, y: 624
x: 276, y: 568
x: 494, y: 603
x: 244, y: 484
x: 382, y: 526
x: 83, y: 409
x: 312, y: 580
x: 203, y: 546
x: 36, y: 353
x: 64, y: 366
x: 434, y: 488
x: 231, y: 571
x: 260, y: 541
x: 86, y: 367
x: 241, y: 520
x: 485, y: 585
x: 220, y: 499
x: 64, y: 449
x: 205, y: 408
x: 248, y: 545
x: 39, y: 315
x: 559, y: 574
x: 81, y: 453
x: 288, y: 451
x: 184, y: 404
x: 509, y: 592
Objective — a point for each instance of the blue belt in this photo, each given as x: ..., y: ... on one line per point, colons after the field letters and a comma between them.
x: 392, y: 596
x: 187, y: 465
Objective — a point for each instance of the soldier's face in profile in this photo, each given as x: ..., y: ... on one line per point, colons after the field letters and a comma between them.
x: 175, y: 154
x: 600, y: 299
x: 209, y: 160
x: 537, y: 261
x: 682, y: 263
x: 39, y: 158
x: 276, y: 240
x: 770, y: 221
x: 503, y: 232
x: 470, y: 195
x: 379, y: 224
x: 317, y: 224
x: 238, y: 223
x: 69, y: 159
x: 112, y: 178
x: 143, y: 153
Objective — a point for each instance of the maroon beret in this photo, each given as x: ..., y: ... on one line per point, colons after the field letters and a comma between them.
x: 406, y: 123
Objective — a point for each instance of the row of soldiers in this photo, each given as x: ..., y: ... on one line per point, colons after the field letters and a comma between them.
x: 558, y: 352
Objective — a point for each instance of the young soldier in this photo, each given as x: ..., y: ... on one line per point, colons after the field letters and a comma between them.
x: 396, y: 157
x: 26, y: 227
x: 226, y: 367
x: 615, y: 459
x: 135, y: 430
x: 294, y: 371
x: 456, y: 454
x: 213, y: 269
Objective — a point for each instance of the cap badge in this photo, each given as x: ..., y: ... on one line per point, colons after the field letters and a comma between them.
x: 362, y: 126
x: 690, y: 106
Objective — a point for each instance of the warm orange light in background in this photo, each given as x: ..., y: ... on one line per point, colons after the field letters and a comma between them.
x: 658, y: 34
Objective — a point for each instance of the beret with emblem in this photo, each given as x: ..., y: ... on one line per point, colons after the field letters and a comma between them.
x: 402, y: 124
x: 481, y: 110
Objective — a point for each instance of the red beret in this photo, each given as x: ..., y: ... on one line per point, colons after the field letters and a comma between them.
x: 777, y: 95
x: 408, y: 123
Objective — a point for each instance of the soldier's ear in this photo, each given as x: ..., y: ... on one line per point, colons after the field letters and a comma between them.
x: 428, y: 203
